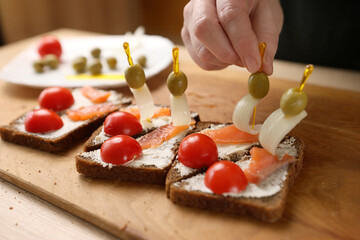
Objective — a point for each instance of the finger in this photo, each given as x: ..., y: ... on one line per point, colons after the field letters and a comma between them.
x: 197, y: 51
x: 205, y: 65
x: 267, y: 22
x: 240, y: 63
x: 206, y: 29
x: 234, y: 17
x: 203, y: 53
x: 187, y: 13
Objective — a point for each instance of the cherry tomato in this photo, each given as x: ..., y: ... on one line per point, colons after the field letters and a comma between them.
x: 42, y: 120
x: 120, y: 149
x: 56, y: 98
x: 225, y: 176
x: 123, y: 123
x: 49, y: 45
x: 197, y: 150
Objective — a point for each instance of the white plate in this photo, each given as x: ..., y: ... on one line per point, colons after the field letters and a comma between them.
x: 157, y: 50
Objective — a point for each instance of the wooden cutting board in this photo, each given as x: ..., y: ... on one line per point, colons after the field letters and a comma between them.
x: 323, y: 203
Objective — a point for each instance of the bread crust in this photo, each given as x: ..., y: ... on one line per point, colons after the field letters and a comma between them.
x: 121, y: 172
x: 55, y: 145
x: 143, y: 174
x: 268, y: 209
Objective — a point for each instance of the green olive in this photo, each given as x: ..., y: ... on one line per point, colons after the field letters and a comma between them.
x: 79, y: 64
x: 111, y: 61
x: 51, y: 60
x: 95, y: 67
x: 96, y: 52
x: 39, y: 66
x: 142, y: 61
x: 135, y: 76
x: 293, y: 101
x: 177, y: 84
x: 258, y: 85
x: 82, y: 59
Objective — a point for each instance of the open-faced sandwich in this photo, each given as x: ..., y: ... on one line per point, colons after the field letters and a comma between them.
x: 237, y: 167
x: 63, y: 118
x: 139, y: 143
x: 240, y: 168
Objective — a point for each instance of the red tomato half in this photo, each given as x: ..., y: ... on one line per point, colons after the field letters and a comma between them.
x: 56, y: 98
x: 120, y: 149
x: 122, y: 123
x: 224, y: 177
x: 42, y: 120
x: 49, y: 45
x: 197, y: 150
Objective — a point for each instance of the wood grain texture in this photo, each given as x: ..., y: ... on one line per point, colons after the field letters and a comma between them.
x: 323, y: 204
x: 25, y: 216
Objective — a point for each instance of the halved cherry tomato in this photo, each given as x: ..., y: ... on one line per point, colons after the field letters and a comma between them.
x: 95, y: 96
x: 56, y: 98
x: 197, y: 150
x: 224, y: 177
x: 118, y: 123
x: 120, y: 149
x: 42, y: 121
x: 49, y: 45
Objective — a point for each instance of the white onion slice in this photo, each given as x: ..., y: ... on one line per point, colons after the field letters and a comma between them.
x: 275, y: 127
x: 180, y: 112
x: 144, y: 101
x: 243, y: 112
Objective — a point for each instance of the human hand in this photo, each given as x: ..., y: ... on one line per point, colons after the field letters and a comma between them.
x: 219, y: 33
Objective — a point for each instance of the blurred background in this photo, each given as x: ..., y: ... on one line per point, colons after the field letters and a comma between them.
x: 20, y: 19
x: 320, y: 32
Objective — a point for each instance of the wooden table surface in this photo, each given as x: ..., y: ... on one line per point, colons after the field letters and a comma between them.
x: 323, y: 204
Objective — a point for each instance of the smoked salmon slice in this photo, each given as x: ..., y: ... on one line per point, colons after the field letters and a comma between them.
x: 95, y: 96
x: 88, y: 112
x: 134, y: 111
x: 159, y: 112
x: 230, y: 135
x: 264, y: 164
x: 160, y: 135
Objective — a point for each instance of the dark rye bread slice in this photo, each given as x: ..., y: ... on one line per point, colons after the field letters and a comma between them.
x: 92, y: 143
x: 54, y: 145
x: 15, y: 132
x: 151, y: 170
x: 175, y: 174
x: 264, y: 208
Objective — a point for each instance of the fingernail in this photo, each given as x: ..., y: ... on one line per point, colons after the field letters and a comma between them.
x: 251, y: 64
